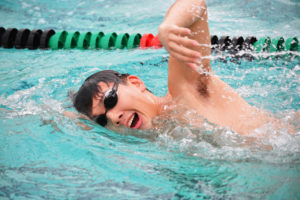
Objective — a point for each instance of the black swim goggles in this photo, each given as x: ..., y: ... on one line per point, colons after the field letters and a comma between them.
x: 110, y: 101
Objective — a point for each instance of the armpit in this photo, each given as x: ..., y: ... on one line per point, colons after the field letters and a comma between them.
x: 202, y: 84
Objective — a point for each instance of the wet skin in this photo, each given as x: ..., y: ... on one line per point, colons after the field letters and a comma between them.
x: 191, y: 81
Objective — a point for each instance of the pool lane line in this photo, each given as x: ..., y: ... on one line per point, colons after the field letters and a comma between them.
x: 34, y: 39
x: 21, y: 38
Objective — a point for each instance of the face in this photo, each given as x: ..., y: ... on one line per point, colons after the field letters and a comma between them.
x: 134, y: 109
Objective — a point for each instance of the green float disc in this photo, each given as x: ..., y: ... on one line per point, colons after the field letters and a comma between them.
x: 71, y: 40
x: 57, y: 40
x: 95, y: 39
x: 84, y: 40
x: 263, y: 44
x: 292, y: 44
x: 134, y: 40
x: 277, y: 44
x: 108, y: 40
x: 121, y: 40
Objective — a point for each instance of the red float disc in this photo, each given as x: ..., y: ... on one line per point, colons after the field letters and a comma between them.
x: 146, y: 40
x: 156, y: 43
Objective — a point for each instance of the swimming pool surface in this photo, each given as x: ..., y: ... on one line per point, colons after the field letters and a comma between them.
x: 45, y: 155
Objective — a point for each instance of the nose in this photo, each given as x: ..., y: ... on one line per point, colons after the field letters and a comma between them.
x: 115, y: 116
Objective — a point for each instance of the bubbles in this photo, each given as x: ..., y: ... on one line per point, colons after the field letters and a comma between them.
x: 272, y: 143
x: 25, y: 5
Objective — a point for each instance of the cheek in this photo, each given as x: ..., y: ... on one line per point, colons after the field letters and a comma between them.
x: 125, y: 101
x: 126, y: 97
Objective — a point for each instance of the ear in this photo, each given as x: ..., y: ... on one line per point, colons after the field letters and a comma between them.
x: 135, y: 81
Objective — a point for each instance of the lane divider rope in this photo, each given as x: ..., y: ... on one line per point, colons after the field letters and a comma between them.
x: 34, y: 39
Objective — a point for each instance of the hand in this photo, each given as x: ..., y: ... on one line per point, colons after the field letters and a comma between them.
x: 175, y: 40
x: 74, y: 116
x: 70, y: 114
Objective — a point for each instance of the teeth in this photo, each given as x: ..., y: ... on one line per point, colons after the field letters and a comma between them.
x: 130, y: 121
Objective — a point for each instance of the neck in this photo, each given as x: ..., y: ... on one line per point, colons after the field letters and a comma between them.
x: 159, y: 103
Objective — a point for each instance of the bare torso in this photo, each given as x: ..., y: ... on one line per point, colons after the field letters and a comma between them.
x: 220, y: 105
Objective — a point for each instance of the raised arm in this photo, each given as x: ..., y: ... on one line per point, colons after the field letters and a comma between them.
x: 185, y: 34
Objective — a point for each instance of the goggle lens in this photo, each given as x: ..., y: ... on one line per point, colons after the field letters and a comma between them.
x: 110, y: 101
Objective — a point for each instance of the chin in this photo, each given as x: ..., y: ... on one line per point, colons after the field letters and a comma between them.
x: 145, y: 123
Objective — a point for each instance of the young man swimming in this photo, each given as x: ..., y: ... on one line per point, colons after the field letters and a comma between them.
x: 124, y: 100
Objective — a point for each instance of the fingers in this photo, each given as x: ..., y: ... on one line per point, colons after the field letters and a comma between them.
x: 180, y: 35
x: 186, y: 59
x: 176, y: 41
x: 192, y: 66
x: 183, y: 45
x: 192, y: 54
x: 185, y: 41
x: 181, y: 31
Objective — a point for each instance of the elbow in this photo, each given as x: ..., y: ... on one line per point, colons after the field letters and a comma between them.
x: 200, y: 8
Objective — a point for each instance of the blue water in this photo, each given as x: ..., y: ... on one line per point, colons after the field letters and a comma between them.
x: 45, y: 155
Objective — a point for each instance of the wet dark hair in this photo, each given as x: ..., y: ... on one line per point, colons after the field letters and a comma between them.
x: 83, y: 99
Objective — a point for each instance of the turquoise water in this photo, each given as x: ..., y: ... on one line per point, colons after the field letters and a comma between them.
x: 44, y: 155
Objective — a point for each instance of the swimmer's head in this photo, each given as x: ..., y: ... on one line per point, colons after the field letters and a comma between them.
x: 121, y: 99
x: 83, y: 99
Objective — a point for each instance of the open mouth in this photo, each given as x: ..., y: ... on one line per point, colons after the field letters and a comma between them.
x: 135, y: 121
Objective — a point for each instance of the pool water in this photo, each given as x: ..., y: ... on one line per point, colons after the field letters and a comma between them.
x: 45, y: 155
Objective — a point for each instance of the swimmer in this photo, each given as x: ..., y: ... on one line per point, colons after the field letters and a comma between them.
x: 124, y: 100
